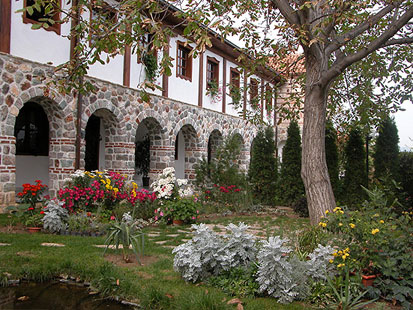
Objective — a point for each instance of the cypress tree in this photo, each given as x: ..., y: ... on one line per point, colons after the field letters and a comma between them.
x: 262, y: 171
x: 292, y: 187
x: 355, y: 170
x: 332, y: 156
x: 386, y: 156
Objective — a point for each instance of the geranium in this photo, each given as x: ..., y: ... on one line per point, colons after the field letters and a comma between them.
x: 32, y: 193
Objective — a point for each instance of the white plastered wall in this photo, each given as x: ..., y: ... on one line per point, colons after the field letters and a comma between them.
x: 38, y: 45
x: 30, y: 168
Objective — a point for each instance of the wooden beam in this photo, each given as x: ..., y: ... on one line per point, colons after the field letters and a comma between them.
x: 5, y: 25
x: 201, y: 79
x: 224, y: 85
x: 165, y: 78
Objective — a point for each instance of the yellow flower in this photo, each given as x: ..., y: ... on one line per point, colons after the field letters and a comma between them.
x: 340, y: 265
x: 327, y: 211
x: 375, y: 231
x: 381, y: 222
x: 335, y: 254
x: 331, y: 261
x: 340, y: 224
x: 376, y: 215
x: 116, y: 190
x: 322, y: 224
x: 352, y: 225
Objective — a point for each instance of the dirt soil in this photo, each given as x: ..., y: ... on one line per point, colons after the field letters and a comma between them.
x: 118, y: 260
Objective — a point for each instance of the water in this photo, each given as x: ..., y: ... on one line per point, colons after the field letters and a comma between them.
x: 54, y: 296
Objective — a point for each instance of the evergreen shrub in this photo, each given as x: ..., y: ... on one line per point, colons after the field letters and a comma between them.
x: 262, y: 171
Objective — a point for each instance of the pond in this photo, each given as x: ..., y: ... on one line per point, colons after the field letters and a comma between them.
x: 54, y: 296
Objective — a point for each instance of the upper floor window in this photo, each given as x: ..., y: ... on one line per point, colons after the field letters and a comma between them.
x: 183, y: 62
x: 212, y: 73
x: 102, y: 18
x: 49, y: 10
x: 32, y: 131
x: 268, y: 97
x: 254, y: 91
x: 234, y: 86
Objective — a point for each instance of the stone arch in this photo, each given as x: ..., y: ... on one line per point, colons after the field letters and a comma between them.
x: 113, y: 152
x: 150, y: 148
x: 59, y: 161
x: 245, y: 154
x: 215, y: 139
x: 187, y: 151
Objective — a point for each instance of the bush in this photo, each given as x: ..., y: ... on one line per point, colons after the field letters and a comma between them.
x: 406, y: 177
x: 355, y: 174
x: 263, y: 168
x: 300, y: 207
x: 292, y: 187
x: 386, y: 155
x: 54, y: 216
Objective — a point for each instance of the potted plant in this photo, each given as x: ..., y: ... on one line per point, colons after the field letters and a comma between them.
x: 32, y: 193
x: 179, y: 211
x: 33, y: 222
x: 212, y: 89
x: 142, y: 159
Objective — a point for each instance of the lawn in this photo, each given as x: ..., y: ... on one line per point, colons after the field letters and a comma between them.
x: 154, y: 285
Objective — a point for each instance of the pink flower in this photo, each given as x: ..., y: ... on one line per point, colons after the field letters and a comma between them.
x: 193, y: 217
x: 112, y: 218
x: 161, y: 213
x: 156, y: 218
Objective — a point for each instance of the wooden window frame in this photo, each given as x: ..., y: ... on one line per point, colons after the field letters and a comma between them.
x: 238, y: 80
x: 56, y: 17
x: 254, y: 89
x: 107, y: 7
x: 215, y: 73
x: 147, y: 41
x: 268, y: 96
x: 188, y: 59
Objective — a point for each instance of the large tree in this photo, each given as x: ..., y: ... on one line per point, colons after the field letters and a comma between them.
x: 334, y: 35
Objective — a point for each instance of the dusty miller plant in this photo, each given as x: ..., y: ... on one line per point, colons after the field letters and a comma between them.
x: 54, y: 215
x: 208, y: 254
x: 197, y: 259
x: 239, y: 247
x: 287, y: 278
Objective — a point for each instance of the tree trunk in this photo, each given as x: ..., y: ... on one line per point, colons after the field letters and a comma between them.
x: 314, y: 172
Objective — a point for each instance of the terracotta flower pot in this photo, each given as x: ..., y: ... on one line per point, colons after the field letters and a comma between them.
x: 178, y: 222
x: 368, y: 280
x: 33, y: 230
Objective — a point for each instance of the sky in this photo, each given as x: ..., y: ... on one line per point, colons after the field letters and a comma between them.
x: 404, y: 122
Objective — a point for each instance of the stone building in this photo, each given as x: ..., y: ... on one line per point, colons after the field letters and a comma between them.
x: 44, y: 135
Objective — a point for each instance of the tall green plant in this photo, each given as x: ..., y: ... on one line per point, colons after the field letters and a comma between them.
x: 332, y: 156
x: 262, y: 171
x: 355, y: 170
x: 292, y: 187
x: 386, y: 155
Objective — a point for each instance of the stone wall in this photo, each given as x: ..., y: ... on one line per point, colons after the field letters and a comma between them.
x: 121, y: 110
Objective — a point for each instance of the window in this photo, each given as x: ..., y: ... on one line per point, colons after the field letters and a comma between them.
x: 268, y: 97
x: 212, y: 73
x: 235, y: 78
x: 234, y: 86
x: 102, y: 19
x: 183, y: 62
x: 36, y: 17
x: 32, y: 131
x: 254, y: 91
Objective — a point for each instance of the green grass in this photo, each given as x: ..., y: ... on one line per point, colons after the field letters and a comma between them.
x: 154, y: 286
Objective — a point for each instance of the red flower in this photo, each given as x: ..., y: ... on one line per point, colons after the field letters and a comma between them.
x: 42, y: 212
x: 112, y: 218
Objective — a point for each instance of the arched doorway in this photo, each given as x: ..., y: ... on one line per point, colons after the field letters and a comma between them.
x: 186, y: 152
x: 215, y: 139
x: 31, y: 131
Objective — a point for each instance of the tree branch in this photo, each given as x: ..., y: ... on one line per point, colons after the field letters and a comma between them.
x: 343, y: 39
x: 340, y: 65
x: 287, y: 11
x: 399, y: 41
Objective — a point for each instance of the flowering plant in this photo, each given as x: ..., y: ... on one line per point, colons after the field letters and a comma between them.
x: 88, y: 190
x: 168, y: 187
x: 33, y: 218
x: 184, y: 209
x: 32, y: 193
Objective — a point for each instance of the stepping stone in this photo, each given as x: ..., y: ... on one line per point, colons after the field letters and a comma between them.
x: 4, y: 244
x: 112, y: 246
x: 182, y: 231
x: 58, y: 245
x: 161, y: 242
x: 169, y: 246
x: 185, y: 240
x: 173, y: 235
x: 153, y: 235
